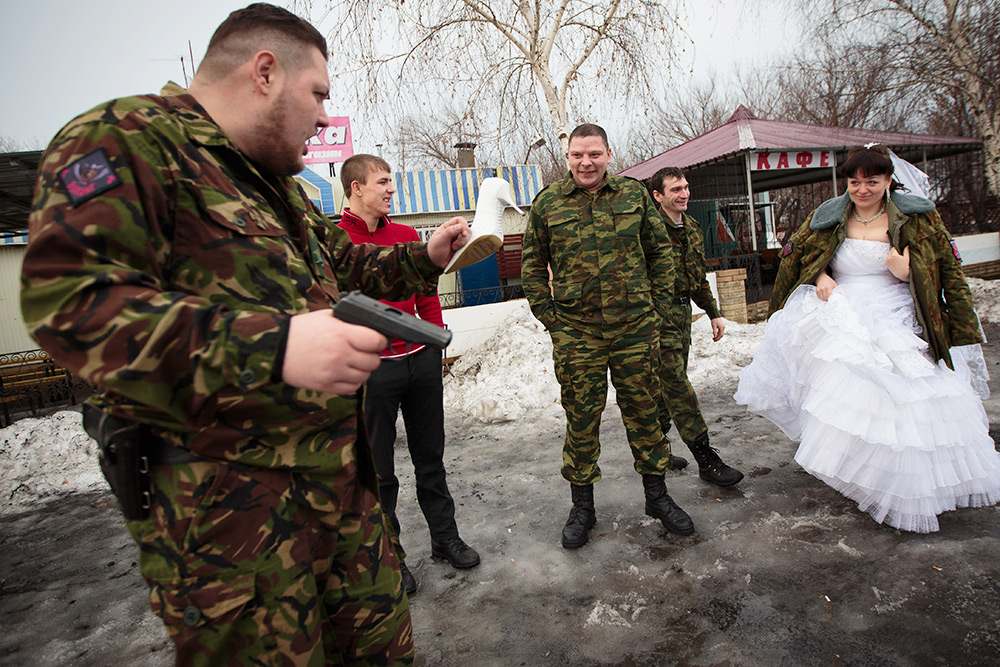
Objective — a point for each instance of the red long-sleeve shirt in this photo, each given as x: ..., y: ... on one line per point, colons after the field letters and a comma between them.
x: 388, y: 232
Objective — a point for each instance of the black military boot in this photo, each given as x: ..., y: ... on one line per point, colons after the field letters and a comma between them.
x: 581, y: 518
x: 710, y: 466
x: 661, y: 506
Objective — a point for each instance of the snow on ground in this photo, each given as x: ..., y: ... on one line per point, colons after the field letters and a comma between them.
x: 509, y: 377
x: 511, y: 374
x: 45, y: 456
x: 986, y: 296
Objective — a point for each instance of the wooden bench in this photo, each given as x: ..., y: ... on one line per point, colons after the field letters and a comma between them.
x: 29, y: 381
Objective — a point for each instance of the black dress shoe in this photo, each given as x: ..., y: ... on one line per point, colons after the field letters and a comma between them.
x: 409, y: 582
x: 456, y: 552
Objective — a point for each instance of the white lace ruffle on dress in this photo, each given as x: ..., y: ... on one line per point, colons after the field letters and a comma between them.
x: 876, y: 419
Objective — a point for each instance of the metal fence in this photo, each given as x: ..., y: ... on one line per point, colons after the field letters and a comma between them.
x: 476, y: 297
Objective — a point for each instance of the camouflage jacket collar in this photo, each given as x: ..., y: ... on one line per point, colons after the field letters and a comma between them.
x: 200, y: 126
x: 567, y: 185
x: 204, y: 131
x: 832, y: 211
x: 687, y: 222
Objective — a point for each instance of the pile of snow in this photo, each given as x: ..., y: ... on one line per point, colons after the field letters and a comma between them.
x: 507, y: 375
x: 712, y: 365
x: 511, y: 374
x: 41, y: 457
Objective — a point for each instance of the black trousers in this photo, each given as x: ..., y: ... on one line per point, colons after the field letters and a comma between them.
x: 412, y: 384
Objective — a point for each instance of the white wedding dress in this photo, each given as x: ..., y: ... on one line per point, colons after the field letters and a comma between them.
x: 876, y: 419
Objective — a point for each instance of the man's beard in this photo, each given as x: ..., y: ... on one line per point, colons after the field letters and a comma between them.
x: 269, y: 151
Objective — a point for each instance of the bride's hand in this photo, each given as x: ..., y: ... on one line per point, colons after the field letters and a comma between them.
x: 899, y: 265
x: 824, y: 286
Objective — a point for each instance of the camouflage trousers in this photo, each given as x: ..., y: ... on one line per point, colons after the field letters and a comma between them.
x: 677, y: 398
x: 582, y: 362
x: 241, y: 574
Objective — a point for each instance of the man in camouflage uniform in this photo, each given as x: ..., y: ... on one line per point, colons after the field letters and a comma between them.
x: 670, y: 189
x: 606, y: 247
x: 176, y: 266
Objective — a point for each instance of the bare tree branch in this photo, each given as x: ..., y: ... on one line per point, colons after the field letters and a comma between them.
x: 500, y: 57
x: 932, y: 46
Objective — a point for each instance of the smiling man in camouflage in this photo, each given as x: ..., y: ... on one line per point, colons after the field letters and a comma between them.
x: 612, y: 273
x: 176, y: 266
x: 678, y: 401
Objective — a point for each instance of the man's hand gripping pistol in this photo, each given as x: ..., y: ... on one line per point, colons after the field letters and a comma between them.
x: 356, y: 308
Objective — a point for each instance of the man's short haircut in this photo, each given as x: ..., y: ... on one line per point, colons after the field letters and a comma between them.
x: 589, y: 130
x: 261, y: 27
x: 655, y: 181
x: 357, y: 167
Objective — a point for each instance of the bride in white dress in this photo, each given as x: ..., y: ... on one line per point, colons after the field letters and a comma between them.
x: 843, y: 371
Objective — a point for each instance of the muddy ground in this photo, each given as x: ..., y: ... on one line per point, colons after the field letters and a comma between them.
x: 781, y: 570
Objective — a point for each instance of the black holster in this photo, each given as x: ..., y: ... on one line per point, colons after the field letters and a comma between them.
x: 123, y: 459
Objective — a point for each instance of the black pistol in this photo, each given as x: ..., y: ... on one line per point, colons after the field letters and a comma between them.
x: 356, y: 308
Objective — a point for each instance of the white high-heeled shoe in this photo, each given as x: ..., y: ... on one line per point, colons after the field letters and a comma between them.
x: 487, y: 226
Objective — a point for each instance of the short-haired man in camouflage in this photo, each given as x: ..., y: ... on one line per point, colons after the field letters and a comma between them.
x: 176, y: 265
x: 606, y: 246
x: 669, y: 188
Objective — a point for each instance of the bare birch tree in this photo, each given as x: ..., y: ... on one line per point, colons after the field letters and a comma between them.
x: 568, y: 57
x: 933, y: 46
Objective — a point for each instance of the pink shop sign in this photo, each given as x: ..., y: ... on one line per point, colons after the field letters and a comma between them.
x: 331, y: 144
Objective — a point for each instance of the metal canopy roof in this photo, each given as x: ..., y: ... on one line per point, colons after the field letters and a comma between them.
x: 17, y: 184
x: 720, y: 155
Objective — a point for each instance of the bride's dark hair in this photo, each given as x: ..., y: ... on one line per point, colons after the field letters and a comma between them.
x: 869, y: 160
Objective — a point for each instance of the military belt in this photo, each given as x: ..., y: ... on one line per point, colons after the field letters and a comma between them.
x: 159, y: 452
x: 680, y: 301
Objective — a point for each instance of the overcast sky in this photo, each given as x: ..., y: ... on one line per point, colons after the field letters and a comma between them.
x: 63, y: 57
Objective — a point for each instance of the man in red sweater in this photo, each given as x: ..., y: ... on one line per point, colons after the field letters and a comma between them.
x: 409, y: 377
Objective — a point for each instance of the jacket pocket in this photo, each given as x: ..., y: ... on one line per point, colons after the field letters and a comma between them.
x: 640, y: 295
x: 224, y: 244
x: 565, y: 242
x: 566, y: 293
x: 628, y: 219
x: 202, y: 603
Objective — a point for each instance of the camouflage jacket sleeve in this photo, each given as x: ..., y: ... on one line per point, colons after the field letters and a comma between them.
x: 701, y: 292
x: 96, y: 287
x: 659, y: 257
x: 789, y: 268
x: 938, y: 286
x: 170, y: 282
x: 961, y: 313
x: 535, y: 261
x: 805, y: 254
x: 393, y: 273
